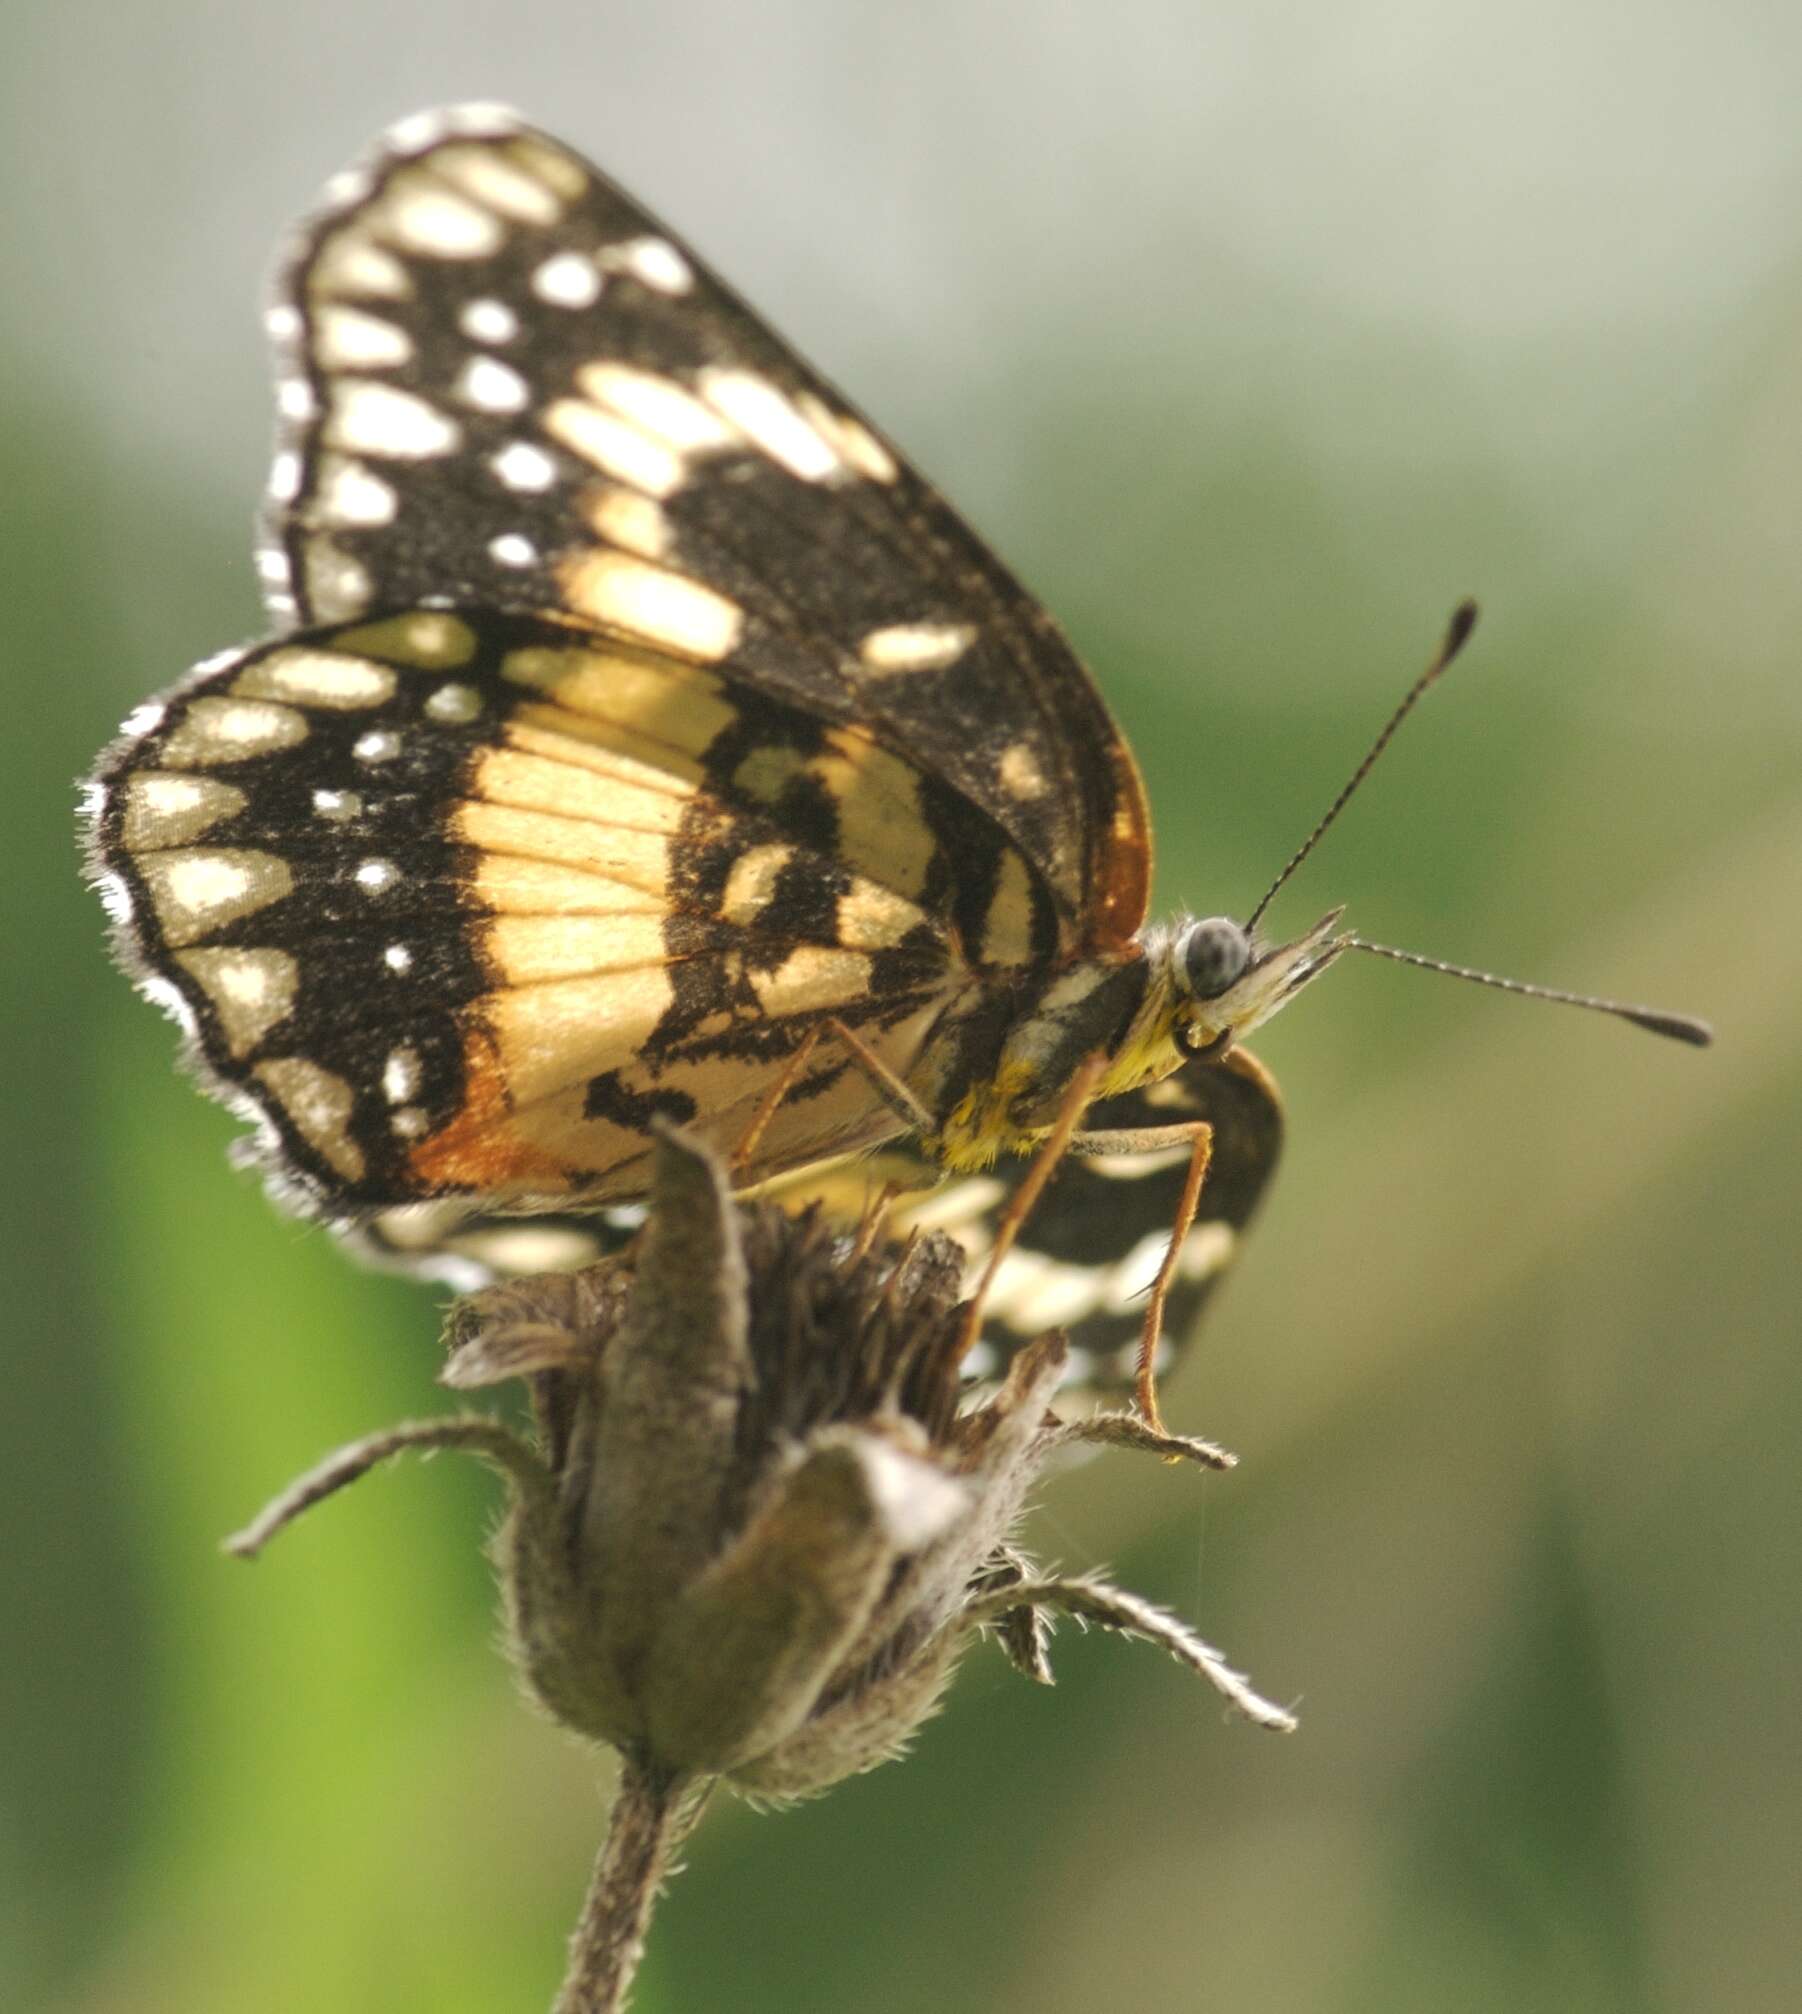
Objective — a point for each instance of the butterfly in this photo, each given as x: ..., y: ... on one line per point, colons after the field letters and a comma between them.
x: 643, y: 738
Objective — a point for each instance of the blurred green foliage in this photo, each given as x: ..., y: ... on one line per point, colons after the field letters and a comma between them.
x: 1511, y: 1363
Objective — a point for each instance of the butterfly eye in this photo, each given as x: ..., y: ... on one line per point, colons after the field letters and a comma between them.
x: 1212, y: 955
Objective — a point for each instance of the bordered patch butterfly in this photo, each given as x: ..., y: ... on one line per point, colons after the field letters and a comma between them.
x: 644, y: 737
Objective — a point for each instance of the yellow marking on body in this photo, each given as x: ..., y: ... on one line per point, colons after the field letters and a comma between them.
x: 639, y: 859
x: 567, y: 790
x: 769, y: 419
x: 1007, y: 927
x: 751, y: 884
x: 653, y: 700
x: 915, y: 646
x: 198, y: 890
x: 882, y: 828
x: 163, y: 809
x: 634, y: 523
x: 528, y: 950
x: 317, y: 678
x: 216, y: 729
x: 319, y: 1105
x: 505, y: 186
x: 251, y: 991
x: 811, y: 977
x: 1021, y: 775
x: 980, y: 1125
x: 651, y: 602
x: 507, y: 884
x: 616, y: 447
x: 657, y: 405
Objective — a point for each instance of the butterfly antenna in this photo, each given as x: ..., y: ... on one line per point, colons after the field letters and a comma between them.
x: 1679, y: 1027
x: 1457, y: 634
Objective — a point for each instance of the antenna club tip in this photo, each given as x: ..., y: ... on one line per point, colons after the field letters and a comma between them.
x: 1457, y: 633
x: 1679, y: 1027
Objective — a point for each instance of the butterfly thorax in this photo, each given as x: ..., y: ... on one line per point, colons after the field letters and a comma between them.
x: 1147, y: 1011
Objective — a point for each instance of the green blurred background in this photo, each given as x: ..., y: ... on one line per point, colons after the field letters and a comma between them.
x: 1254, y: 335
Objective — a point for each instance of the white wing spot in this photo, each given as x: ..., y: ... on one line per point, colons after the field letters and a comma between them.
x: 353, y: 495
x: 854, y: 441
x: 657, y: 264
x: 512, y: 549
x: 492, y: 387
x: 376, y: 877
x: 567, y: 280
x: 915, y: 646
x: 489, y: 178
x: 197, y: 891
x: 337, y: 585
x: 372, y: 418
x: 272, y: 566
x: 657, y: 405
x: 380, y: 744
x: 523, y: 467
x: 317, y: 678
x: 337, y: 807
x: 282, y: 322
x: 319, y: 1106
x: 400, y: 1075
x: 217, y: 729
x: 284, y: 476
x: 1022, y: 777
x: 634, y: 523
x: 424, y: 217
x: 615, y: 447
x: 654, y: 603
x: 350, y: 262
x: 294, y: 400
x: 410, y: 1123
x: 488, y: 321
x: 456, y: 703
x: 398, y: 959
x: 766, y: 414
x: 346, y: 339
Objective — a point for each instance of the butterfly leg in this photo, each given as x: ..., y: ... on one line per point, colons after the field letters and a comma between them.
x: 1020, y: 1205
x: 894, y: 1091
x: 1145, y: 1388
x: 773, y: 1097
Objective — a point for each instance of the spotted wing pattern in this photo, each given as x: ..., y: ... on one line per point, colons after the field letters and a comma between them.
x: 637, y: 710
x: 506, y: 385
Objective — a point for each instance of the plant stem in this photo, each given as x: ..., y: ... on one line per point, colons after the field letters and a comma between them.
x: 645, y: 1828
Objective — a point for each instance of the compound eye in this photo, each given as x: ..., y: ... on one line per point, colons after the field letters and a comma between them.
x: 1214, y: 955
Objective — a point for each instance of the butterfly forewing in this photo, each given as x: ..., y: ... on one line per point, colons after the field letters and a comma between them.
x: 509, y: 387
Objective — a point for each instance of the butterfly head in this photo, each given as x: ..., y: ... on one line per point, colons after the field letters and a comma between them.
x: 1222, y: 982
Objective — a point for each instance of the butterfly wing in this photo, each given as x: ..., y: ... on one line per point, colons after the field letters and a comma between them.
x: 639, y: 710
x: 506, y: 385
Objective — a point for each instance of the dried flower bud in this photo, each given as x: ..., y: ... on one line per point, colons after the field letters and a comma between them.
x: 759, y: 1524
